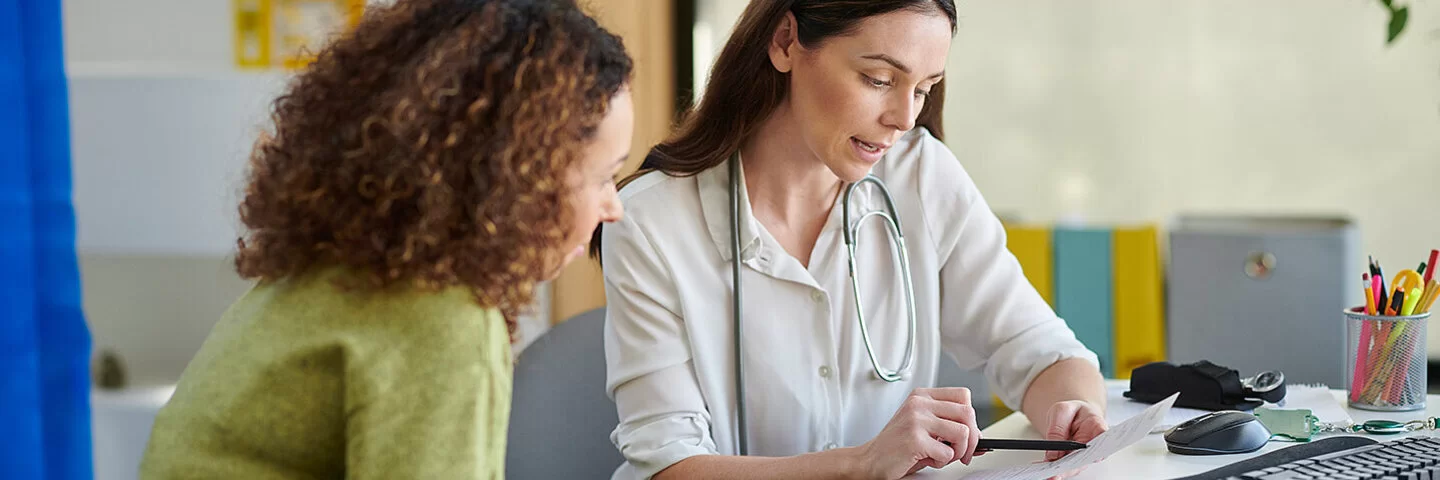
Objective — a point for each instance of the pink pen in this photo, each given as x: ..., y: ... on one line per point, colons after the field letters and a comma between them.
x: 1375, y: 284
x: 1362, y: 353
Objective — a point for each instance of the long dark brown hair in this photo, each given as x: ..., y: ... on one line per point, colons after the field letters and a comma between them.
x: 744, y: 88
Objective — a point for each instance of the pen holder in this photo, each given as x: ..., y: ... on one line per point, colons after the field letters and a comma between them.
x: 1386, y: 361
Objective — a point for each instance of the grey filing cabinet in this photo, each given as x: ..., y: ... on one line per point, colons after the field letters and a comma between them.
x: 1262, y: 293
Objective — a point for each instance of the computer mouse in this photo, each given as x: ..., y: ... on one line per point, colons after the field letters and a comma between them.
x: 1218, y: 433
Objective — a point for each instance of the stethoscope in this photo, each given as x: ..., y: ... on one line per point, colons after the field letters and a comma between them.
x: 897, y: 240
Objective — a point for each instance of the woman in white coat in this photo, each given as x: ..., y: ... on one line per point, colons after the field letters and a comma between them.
x: 809, y: 96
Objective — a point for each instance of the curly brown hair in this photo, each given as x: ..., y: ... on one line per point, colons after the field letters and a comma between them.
x: 427, y: 146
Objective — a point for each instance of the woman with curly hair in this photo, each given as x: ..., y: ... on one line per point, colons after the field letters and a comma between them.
x: 423, y: 174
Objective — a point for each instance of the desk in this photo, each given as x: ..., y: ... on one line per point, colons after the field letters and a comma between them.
x: 120, y: 423
x: 1148, y: 458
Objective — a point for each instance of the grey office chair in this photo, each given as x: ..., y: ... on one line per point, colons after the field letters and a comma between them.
x: 560, y: 416
x: 951, y: 375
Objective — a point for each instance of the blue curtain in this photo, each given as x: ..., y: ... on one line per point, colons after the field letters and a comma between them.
x: 44, y: 343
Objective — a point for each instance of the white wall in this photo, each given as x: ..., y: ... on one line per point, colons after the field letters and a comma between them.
x: 1119, y: 111
x: 160, y: 126
x: 159, y: 158
x: 149, y: 35
x: 1139, y: 109
x: 162, y: 123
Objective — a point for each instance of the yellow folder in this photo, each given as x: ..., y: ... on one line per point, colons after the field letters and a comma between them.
x: 1031, y: 245
x: 1139, y: 298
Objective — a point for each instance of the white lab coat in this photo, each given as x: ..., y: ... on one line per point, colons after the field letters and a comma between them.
x: 809, y: 384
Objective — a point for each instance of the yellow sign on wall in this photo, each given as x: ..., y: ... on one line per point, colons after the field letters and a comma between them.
x: 252, y: 33
x: 288, y: 33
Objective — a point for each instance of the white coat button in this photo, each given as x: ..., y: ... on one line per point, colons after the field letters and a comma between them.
x: 824, y: 371
x: 830, y: 446
x: 817, y: 296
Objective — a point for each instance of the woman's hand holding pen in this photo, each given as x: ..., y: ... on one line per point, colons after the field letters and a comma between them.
x: 918, y: 433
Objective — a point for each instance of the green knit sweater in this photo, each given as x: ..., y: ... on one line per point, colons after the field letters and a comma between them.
x: 301, y: 380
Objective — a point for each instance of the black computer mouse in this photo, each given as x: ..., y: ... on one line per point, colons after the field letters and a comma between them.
x: 1218, y: 433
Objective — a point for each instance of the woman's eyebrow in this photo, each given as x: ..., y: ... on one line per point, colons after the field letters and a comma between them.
x: 895, y: 63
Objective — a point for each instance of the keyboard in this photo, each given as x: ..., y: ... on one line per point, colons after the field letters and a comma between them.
x: 1408, y: 458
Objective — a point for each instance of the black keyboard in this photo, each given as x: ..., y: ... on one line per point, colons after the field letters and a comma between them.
x: 1408, y: 458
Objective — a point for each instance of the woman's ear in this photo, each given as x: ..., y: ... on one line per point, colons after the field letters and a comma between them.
x: 783, y: 43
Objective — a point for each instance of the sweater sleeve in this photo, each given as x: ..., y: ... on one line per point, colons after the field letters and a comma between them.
x: 428, y: 394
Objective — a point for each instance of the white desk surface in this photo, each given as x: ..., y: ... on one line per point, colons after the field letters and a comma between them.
x: 1148, y: 458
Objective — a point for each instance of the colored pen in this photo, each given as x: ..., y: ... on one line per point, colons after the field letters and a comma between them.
x: 1376, y: 293
x: 1369, y: 294
x: 1424, y: 297
x: 1362, y: 351
x: 1430, y: 273
x: 1383, y: 378
x: 1380, y: 383
x: 1384, y: 289
x: 1431, y: 293
x: 1384, y: 340
x: 1410, y: 300
x: 1397, y: 301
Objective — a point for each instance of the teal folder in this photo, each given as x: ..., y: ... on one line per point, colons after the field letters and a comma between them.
x: 1083, y: 283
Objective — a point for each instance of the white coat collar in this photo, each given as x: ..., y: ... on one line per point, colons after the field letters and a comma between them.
x: 714, y: 188
x: 714, y: 185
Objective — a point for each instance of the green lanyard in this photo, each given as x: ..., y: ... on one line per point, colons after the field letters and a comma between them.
x: 1300, y: 424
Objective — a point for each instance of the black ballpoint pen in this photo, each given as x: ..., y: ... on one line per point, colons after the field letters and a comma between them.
x: 1047, y: 445
x: 989, y: 444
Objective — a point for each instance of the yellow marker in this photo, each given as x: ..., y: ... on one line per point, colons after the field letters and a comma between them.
x: 1411, y: 299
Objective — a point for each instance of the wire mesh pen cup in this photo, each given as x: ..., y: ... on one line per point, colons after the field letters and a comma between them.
x: 1386, y: 361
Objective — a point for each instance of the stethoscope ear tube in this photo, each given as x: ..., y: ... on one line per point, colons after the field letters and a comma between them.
x: 742, y: 447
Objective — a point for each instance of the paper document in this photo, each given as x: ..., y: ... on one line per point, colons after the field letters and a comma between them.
x: 1113, y: 440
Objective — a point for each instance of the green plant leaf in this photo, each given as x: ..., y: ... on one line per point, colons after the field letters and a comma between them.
x: 1397, y: 23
